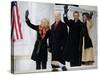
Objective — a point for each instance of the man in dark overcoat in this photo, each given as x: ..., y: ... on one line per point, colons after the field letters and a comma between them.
x: 75, y: 39
x: 58, y: 40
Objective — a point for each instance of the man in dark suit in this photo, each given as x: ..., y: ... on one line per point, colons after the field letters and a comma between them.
x: 75, y: 39
x: 59, y: 35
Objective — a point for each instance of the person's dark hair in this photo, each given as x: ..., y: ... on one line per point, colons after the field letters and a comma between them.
x: 76, y: 12
x: 86, y: 14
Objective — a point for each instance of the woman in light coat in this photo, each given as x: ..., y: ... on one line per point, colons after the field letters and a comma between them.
x: 88, y: 58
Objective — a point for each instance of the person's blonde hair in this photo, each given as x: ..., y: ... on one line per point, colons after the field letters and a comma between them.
x: 47, y: 21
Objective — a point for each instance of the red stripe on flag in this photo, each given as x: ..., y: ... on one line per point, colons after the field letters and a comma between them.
x: 16, y: 24
x: 18, y: 20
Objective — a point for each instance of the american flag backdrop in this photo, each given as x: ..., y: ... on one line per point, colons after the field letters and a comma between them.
x: 16, y: 32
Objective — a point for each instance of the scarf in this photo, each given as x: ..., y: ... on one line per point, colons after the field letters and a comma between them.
x: 43, y: 31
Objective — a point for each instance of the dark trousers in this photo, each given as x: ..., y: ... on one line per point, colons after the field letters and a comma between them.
x: 76, y: 60
x: 41, y: 64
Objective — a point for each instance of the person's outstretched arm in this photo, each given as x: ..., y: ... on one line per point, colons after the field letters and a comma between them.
x: 65, y: 18
x: 28, y: 21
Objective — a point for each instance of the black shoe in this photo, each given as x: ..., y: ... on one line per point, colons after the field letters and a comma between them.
x: 54, y: 70
x: 64, y: 68
x: 83, y: 62
x: 90, y: 62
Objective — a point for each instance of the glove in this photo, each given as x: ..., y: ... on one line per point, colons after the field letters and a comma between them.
x: 26, y: 14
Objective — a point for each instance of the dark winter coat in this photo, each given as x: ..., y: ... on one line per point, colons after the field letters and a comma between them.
x: 75, y: 42
x: 58, y: 40
x: 40, y: 52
